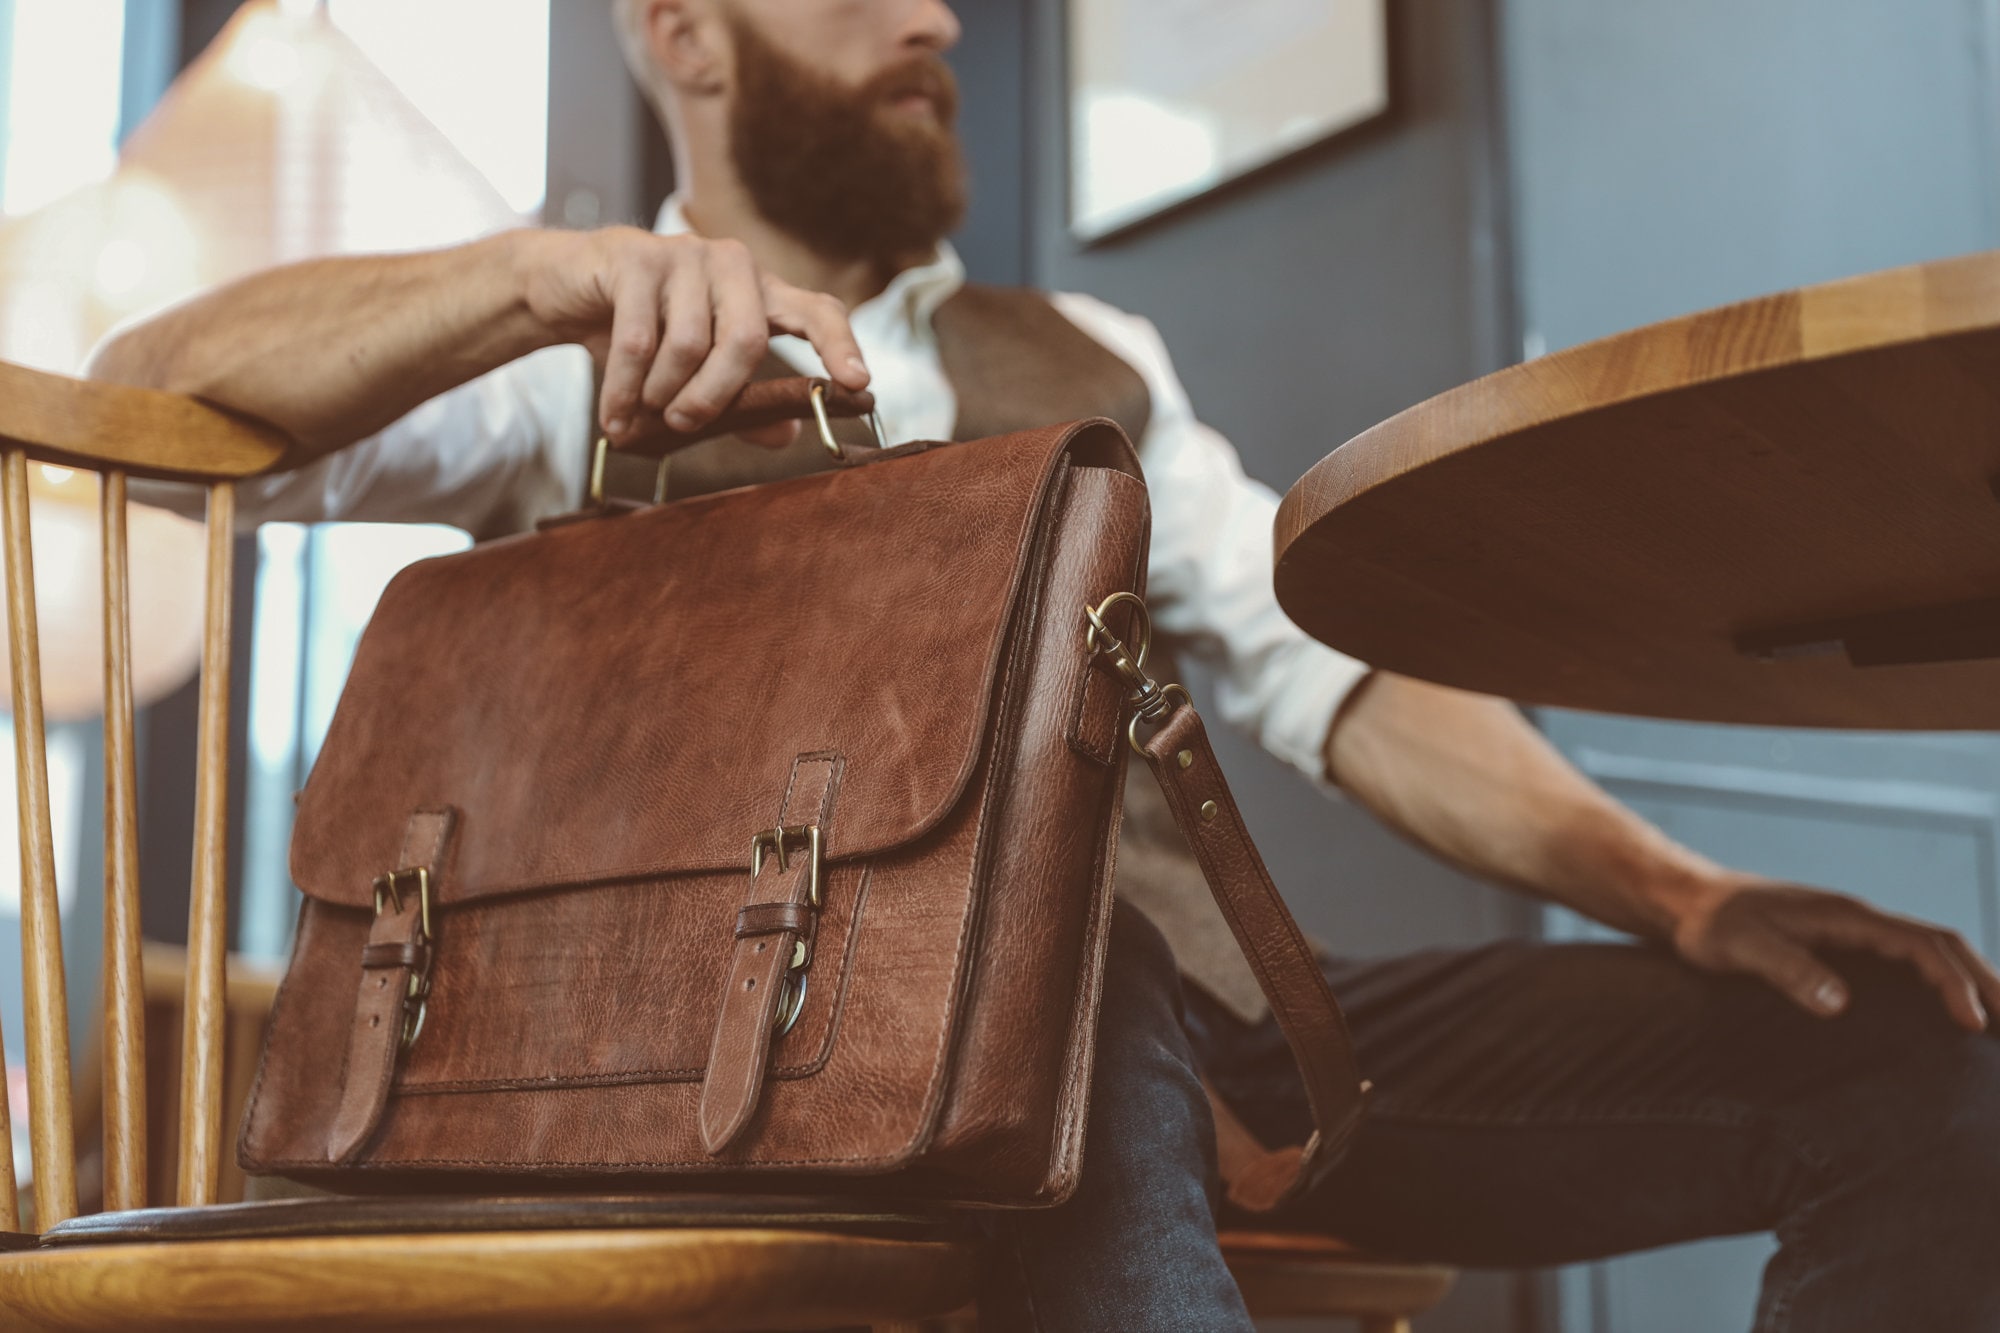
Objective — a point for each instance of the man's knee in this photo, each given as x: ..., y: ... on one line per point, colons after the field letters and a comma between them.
x: 1924, y: 1094
x: 1141, y: 961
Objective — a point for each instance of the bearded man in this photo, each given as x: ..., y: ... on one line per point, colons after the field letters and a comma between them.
x: 1768, y: 1057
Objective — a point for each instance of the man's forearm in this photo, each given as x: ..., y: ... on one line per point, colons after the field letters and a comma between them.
x: 1468, y: 778
x: 332, y: 350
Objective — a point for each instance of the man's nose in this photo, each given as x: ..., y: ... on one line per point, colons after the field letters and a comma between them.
x: 933, y: 27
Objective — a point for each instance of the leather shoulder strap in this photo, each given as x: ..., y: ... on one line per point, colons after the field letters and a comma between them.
x: 1259, y: 1180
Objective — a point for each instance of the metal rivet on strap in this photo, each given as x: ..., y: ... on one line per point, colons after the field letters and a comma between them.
x: 1186, y: 757
x: 1208, y: 809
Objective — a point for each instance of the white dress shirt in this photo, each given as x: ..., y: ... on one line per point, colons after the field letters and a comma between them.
x: 494, y: 453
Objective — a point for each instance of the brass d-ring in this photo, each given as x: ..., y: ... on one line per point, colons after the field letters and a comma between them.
x: 819, y: 388
x: 825, y: 423
x: 791, y: 1003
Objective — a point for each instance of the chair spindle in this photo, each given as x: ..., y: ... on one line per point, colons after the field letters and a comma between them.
x: 124, y: 981
x: 49, y: 1125
x: 203, y: 1017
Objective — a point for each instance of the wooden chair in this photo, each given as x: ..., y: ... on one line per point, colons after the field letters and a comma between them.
x: 340, y: 1264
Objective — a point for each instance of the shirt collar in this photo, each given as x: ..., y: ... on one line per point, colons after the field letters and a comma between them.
x: 914, y: 294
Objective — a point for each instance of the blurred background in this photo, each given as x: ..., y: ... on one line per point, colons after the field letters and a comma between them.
x: 1545, y: 171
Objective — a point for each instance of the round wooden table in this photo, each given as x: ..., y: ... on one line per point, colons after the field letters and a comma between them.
x: 1780, y: 512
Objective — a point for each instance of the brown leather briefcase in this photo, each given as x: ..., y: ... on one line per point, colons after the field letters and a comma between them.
x: 760, y: 840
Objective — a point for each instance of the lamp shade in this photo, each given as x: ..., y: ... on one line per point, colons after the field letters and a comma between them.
x: 280, y: 142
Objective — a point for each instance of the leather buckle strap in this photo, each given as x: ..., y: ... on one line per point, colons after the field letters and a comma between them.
x: 765, y: 991
x: 395, y: 987
x: 411, y: 955
x: 794, y: 919
x: 1179, y: 754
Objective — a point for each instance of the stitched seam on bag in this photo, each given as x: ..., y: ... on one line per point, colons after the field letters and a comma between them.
x: 1041, y: 561
x: 442, y: 815
x: 1072, y: 1111
x: 686, y: 1074
x: 1074, y: 728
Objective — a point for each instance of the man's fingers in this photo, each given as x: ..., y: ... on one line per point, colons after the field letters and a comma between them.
x: 822, y: 321
x: 688, y: 329
x: 1924, y: 947
x: 1984, y: 978
x: 1793, y: 969
x: 635, y: 336
x: 741, y: 334
x: 689, y: 333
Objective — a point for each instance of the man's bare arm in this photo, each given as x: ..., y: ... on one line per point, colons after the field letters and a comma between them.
x: 333, y: 350
x: 1467, y: 777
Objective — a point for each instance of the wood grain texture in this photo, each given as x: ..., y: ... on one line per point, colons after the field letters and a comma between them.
x: 142, y: 431
x: 10, y: 1200
x: 124, y: 984
x: 1289, y: 1275
x: 599, y: 1280
x: 50, y: 1127
x: 203, y: 1020
x: 1594, y: 529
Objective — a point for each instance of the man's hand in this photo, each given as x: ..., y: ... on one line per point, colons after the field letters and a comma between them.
x: 1771, y: 930
x: 679, y: 323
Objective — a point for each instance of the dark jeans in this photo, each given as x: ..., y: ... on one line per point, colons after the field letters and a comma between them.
x: 1543, y: 1104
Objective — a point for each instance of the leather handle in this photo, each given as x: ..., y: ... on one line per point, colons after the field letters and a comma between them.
x: 761, y: 403
x: 1258, y: 1179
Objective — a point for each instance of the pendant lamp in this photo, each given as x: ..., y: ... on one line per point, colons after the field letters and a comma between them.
x: 280, y: 142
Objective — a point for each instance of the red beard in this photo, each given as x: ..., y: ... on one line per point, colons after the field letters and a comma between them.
x: 839, y: 166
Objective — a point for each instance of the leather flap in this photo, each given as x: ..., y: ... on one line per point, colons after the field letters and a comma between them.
x: 626, y: 697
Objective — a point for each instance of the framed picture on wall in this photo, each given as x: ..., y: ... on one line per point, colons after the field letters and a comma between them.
x: 1170, y: 98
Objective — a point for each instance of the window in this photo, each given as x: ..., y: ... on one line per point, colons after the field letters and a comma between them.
x: 63, y: 66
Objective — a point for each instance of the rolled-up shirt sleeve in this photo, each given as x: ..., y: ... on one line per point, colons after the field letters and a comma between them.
x: 490, y: 456
x: 1209, y: 583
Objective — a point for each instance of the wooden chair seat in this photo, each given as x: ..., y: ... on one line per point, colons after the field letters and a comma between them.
x: 685, y: 1278
x: 1294, y: 1275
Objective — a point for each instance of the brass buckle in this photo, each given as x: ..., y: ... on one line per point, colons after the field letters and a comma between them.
x: 792, y: 996
x: 776, y: 840
x: 599, y: 452
x: 825, y: 424
x: 389, y: 889
x: 1150, y: 701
